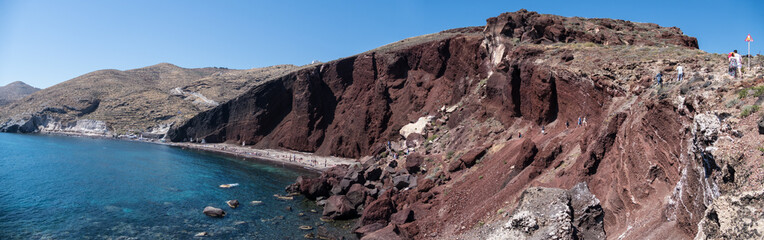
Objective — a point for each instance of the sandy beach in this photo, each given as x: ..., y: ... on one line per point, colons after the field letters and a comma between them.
x: 278, y: 156
x: 284, y: 157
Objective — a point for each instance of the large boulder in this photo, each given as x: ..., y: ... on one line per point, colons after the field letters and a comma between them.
x: 426, y: 185
x: 373, y: 173
x: 370, y: 228
x: 470, y: 158
x: 414, y: 140
x: 414, y: 162
x: 391, y: 232
x: 357, y: 194
x: 416, y: 127
x: 213, y: 212
x: 355, y: 175
x: 342, y: 187
x: 339, y: 207
x: 404, y: 181
x: 456, y: 165
x: 313, y: 187
x: 378, y: 211
x: 402, y: 216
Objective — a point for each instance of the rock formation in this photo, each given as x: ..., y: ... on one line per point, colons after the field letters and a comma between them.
x: 737, y: 216
x: 548, y: 213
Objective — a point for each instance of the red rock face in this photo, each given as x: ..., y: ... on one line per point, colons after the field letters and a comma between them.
x: 542, y: 28
x: 633, y: 156
x: 345, y: 107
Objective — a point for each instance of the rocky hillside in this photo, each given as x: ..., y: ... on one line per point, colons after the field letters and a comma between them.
x: 454, y: 129
x: 145, y: 100
x: 532, y: 127
x: 15, y: 91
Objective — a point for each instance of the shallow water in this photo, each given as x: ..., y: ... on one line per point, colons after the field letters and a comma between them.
x: 56, y: 187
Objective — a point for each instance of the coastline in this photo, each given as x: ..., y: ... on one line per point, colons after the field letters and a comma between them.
x: 304, y: 160
x: 285, y: 157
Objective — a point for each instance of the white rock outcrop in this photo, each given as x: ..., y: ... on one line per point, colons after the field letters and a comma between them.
x: 417, y: 127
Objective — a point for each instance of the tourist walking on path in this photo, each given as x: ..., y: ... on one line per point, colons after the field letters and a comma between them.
x: 658, y: 78
x: 679, y: 73
x: 739, y: 60
x: 732, y: 64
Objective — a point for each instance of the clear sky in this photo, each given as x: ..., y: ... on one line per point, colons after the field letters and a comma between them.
x: 47, y: 42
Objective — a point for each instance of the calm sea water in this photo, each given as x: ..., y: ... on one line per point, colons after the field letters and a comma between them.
x: 55, y: 187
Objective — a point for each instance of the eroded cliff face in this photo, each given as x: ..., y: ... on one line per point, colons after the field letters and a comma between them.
x: 526, y: 74
x: 347, y: 107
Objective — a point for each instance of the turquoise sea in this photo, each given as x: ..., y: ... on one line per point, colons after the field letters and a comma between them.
x: 57, y: 187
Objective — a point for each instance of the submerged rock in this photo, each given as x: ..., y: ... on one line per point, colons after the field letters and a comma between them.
x: 213, y: 212
x: 233, y: 203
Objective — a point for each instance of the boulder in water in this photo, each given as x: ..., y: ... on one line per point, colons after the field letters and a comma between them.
x: 339, y: 207
x: 213, y: 212
x: 233, y: 203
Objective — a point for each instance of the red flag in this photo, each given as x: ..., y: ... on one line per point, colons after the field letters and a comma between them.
x: 749, y: 39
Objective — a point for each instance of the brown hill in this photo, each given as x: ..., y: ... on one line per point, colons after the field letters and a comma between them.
x: 645, y: 151
x: 15, y: 91
x: 133, y: 101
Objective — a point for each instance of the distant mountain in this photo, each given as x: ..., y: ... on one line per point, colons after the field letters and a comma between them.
x: 134, y: 101
x: 15, y: 91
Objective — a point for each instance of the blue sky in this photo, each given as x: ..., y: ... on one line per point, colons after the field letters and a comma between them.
x: 47, y: 42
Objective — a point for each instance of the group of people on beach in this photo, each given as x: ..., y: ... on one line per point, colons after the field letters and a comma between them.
x: 311, y: 162
x: 257, y: 153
